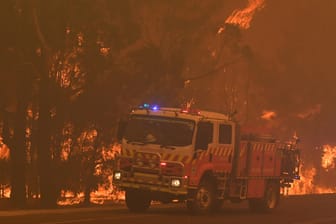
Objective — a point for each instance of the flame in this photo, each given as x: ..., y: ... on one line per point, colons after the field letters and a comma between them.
x: 4, y: 151
x: 306, y: 184
x: 242, y: 18
x: 104, y: 193
x: 100, y: 196
x: 328, y: 158
x: 268, y: 115
x: 5, y: 191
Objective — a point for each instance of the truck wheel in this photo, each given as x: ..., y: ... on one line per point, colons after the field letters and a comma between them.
x: 137, y: 201
x: 272, y: 196
x: 270, y: 200
x: 204, y: 199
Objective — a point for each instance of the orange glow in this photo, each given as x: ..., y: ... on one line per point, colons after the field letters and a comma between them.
x: 100, y: 196
x: 105, y: 51
x: 6, y: 191
x: 268, y: 115
x: 243, y: 17
x: 80, y: 39
x: 311, y: 112
x: 4, y: 151
x: 103, y: 194
x: 328, y: 158
x: 306, y: 184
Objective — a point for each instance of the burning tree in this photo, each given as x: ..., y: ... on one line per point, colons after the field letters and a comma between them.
x: 4, y: 169
x: 83, y: 65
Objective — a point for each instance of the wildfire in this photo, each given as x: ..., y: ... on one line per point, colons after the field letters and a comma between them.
x: 100, y: 196
x: 328, y: 158
x: 243, y: 17
x: 306, y: 184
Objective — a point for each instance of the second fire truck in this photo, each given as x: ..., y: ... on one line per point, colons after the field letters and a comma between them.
x: 200, y: 158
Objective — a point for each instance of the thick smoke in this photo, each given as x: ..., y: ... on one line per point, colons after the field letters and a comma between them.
x: 294, y: 46
x: 282, y: 65
x: 293, y: 42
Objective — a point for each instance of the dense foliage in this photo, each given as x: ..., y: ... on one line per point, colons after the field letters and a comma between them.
x: 70, y: 69
x: 73, y: 68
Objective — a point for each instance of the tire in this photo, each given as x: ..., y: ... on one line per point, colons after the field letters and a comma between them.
x: 270, y: 200
x: 204, y: 199
x: 272, y: 196
x: 137, y: 201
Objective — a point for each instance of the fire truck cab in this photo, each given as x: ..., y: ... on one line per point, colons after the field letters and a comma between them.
x: 200, y: 158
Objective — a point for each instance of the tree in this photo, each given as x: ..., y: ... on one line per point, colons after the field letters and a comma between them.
x: 93, y: 61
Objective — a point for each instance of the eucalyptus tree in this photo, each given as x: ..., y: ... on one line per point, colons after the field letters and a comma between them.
x: 91, y: 61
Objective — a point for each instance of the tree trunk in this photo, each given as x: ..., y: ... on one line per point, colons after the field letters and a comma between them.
x: 45, y: 164
x: 87, y: 196
x: 48, y: 189
x: 17, y: 140
x: 89, y: 178
x: 16, y: 160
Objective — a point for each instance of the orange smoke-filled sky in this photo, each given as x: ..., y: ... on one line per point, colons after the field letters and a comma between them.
x: 294, y: 44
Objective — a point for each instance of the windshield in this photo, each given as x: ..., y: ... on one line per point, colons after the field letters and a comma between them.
x: 159, y: 130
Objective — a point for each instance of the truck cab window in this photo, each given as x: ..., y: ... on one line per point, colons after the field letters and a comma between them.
x: 225, y: 134
x: 204, y: 135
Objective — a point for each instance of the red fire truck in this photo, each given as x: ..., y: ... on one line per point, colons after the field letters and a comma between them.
x: 200, y: 158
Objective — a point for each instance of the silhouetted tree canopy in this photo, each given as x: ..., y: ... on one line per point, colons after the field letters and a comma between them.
x: 84, y: 64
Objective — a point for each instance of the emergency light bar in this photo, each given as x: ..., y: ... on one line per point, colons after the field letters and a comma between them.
x: 149, y: 106
x: 184, y: 110
x: 190, y: 111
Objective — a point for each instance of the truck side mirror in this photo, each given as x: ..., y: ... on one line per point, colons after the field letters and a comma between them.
x: 121, y: 129
x: 197, y: 153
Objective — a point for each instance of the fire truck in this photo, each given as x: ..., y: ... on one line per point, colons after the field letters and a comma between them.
x: 199, y: 158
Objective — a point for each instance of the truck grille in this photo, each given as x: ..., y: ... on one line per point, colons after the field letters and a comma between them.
x: 146, y: 163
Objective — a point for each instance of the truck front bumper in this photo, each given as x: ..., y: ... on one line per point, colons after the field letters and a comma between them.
x: 152, y: 182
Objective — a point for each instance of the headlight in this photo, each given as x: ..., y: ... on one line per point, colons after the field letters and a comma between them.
x: 117, y: 176
x: 175, y: 182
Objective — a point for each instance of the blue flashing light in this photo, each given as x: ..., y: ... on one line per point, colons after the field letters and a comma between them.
x: 297, y: 177
x: 146, y: 105
x: 149, y: 107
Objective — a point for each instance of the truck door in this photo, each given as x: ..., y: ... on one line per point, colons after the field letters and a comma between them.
x: 204, y: 135
x: 223, y: 151
x: 202, y: 159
